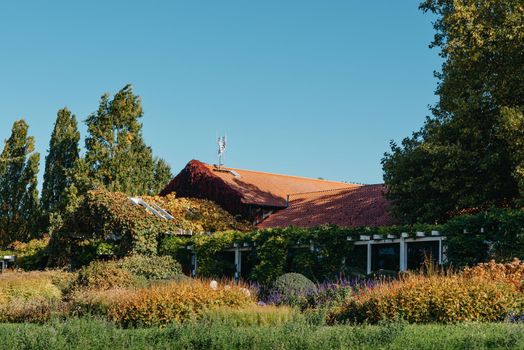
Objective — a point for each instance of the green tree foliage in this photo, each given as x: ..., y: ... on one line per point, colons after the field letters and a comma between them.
x: 63, y: 154
x: 117, y: 157
x: 468, y: 154
x: 162, y: 175
x: 19, y: 214
x: 512, y: 130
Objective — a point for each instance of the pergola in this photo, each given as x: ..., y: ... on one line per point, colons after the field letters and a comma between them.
x: 404, y: 240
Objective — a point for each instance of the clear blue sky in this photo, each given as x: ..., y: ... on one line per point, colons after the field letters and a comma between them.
x: 302, y: 87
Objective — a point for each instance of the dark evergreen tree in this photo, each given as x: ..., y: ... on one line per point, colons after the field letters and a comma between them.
x: 63, y: 153
x: 19, y: 212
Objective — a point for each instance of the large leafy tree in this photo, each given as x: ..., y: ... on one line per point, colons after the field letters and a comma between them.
x: 468, y: 154
x: 60, y: 161
x: 117, y: 157
x: 19, y: 214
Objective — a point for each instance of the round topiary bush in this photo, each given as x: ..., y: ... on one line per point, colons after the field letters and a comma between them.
x: 291, y: 287
x: 151, y: 267
x: 103, y: 275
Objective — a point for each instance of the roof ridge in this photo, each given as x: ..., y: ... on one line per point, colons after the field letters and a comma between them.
x: 283, y: 175
x: 330, y: 190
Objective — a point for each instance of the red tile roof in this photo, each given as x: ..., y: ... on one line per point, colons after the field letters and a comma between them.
x: 346, y: 207
x: 269, y: 189
x: 312, y: 202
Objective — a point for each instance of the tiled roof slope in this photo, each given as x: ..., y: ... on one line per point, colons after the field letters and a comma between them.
x: 346, y: 207
x: 270, y: 189
x: 202, y: 180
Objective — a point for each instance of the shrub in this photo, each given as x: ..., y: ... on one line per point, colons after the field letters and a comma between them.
x: 292, y: 288
x: 28, y: 296
x: 63, y: 280
x: 36, y: 310
x: 159, y: 304
x: 151, y: 267
x: 436, y: 298
x: 512, y: 272
x: 103, y: 275
x: 27, y: 285
x: 32, y: 255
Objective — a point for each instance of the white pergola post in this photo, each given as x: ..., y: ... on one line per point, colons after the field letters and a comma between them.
x: 440, y: 252
x: 403, y: 255
x: 368, y: 270
x: 238, y: 262
x: 193, y: 264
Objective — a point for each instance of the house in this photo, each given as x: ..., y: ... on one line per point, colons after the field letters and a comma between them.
x: 274, y: 200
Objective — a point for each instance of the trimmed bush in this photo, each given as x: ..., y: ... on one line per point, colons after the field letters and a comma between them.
x: 292, y: 287
x: 151, y: 267
x: 104, y: 275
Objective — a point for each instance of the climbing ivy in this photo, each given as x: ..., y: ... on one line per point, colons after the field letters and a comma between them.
x: 326, y: 252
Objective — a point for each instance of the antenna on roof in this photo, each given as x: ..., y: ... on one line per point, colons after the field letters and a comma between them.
x: 222, y: 143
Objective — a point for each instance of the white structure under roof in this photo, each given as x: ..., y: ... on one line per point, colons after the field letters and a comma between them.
x: 235, y: 174
x: 153, y: 209
x: 404, y: 243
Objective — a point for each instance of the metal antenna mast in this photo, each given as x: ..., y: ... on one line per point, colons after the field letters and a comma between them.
x: 222, y: 143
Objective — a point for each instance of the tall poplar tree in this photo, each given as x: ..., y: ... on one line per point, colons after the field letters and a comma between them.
x: 19, y: 214
x: 63, y: 153
x: 116, y: 155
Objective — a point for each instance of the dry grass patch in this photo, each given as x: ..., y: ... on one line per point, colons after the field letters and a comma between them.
x: 31, y: 296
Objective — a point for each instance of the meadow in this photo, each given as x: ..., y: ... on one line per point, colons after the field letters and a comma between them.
x: 86, y: 333
x: 145, y: 302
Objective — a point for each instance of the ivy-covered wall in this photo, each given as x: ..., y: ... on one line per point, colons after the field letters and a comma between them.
x: 324, y: 253
x: 108, y: 224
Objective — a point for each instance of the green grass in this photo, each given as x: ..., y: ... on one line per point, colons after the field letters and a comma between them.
x: 83, y: 333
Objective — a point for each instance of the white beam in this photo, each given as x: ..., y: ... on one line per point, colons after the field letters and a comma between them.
x: 238, y: 263
x: 440, y: 251
x: 193, y: 264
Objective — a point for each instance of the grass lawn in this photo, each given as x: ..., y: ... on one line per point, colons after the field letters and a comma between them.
x: 84, y: 333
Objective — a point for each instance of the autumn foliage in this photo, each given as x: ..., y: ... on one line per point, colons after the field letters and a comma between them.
x: 486, y: 292
x: 108, y: 223
x: 161, y: 304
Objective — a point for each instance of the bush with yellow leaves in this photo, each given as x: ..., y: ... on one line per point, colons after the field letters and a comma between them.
x: 159, y: 304
x: 444, y: 297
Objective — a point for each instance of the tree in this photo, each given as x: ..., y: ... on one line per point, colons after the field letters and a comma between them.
x: 117, y: 157
x: 465, y: 156
x: 61, y: 159
x: 19, y: 214
x: 162, y: 176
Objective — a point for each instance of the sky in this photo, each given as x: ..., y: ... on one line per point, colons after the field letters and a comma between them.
x: 313, y: 88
